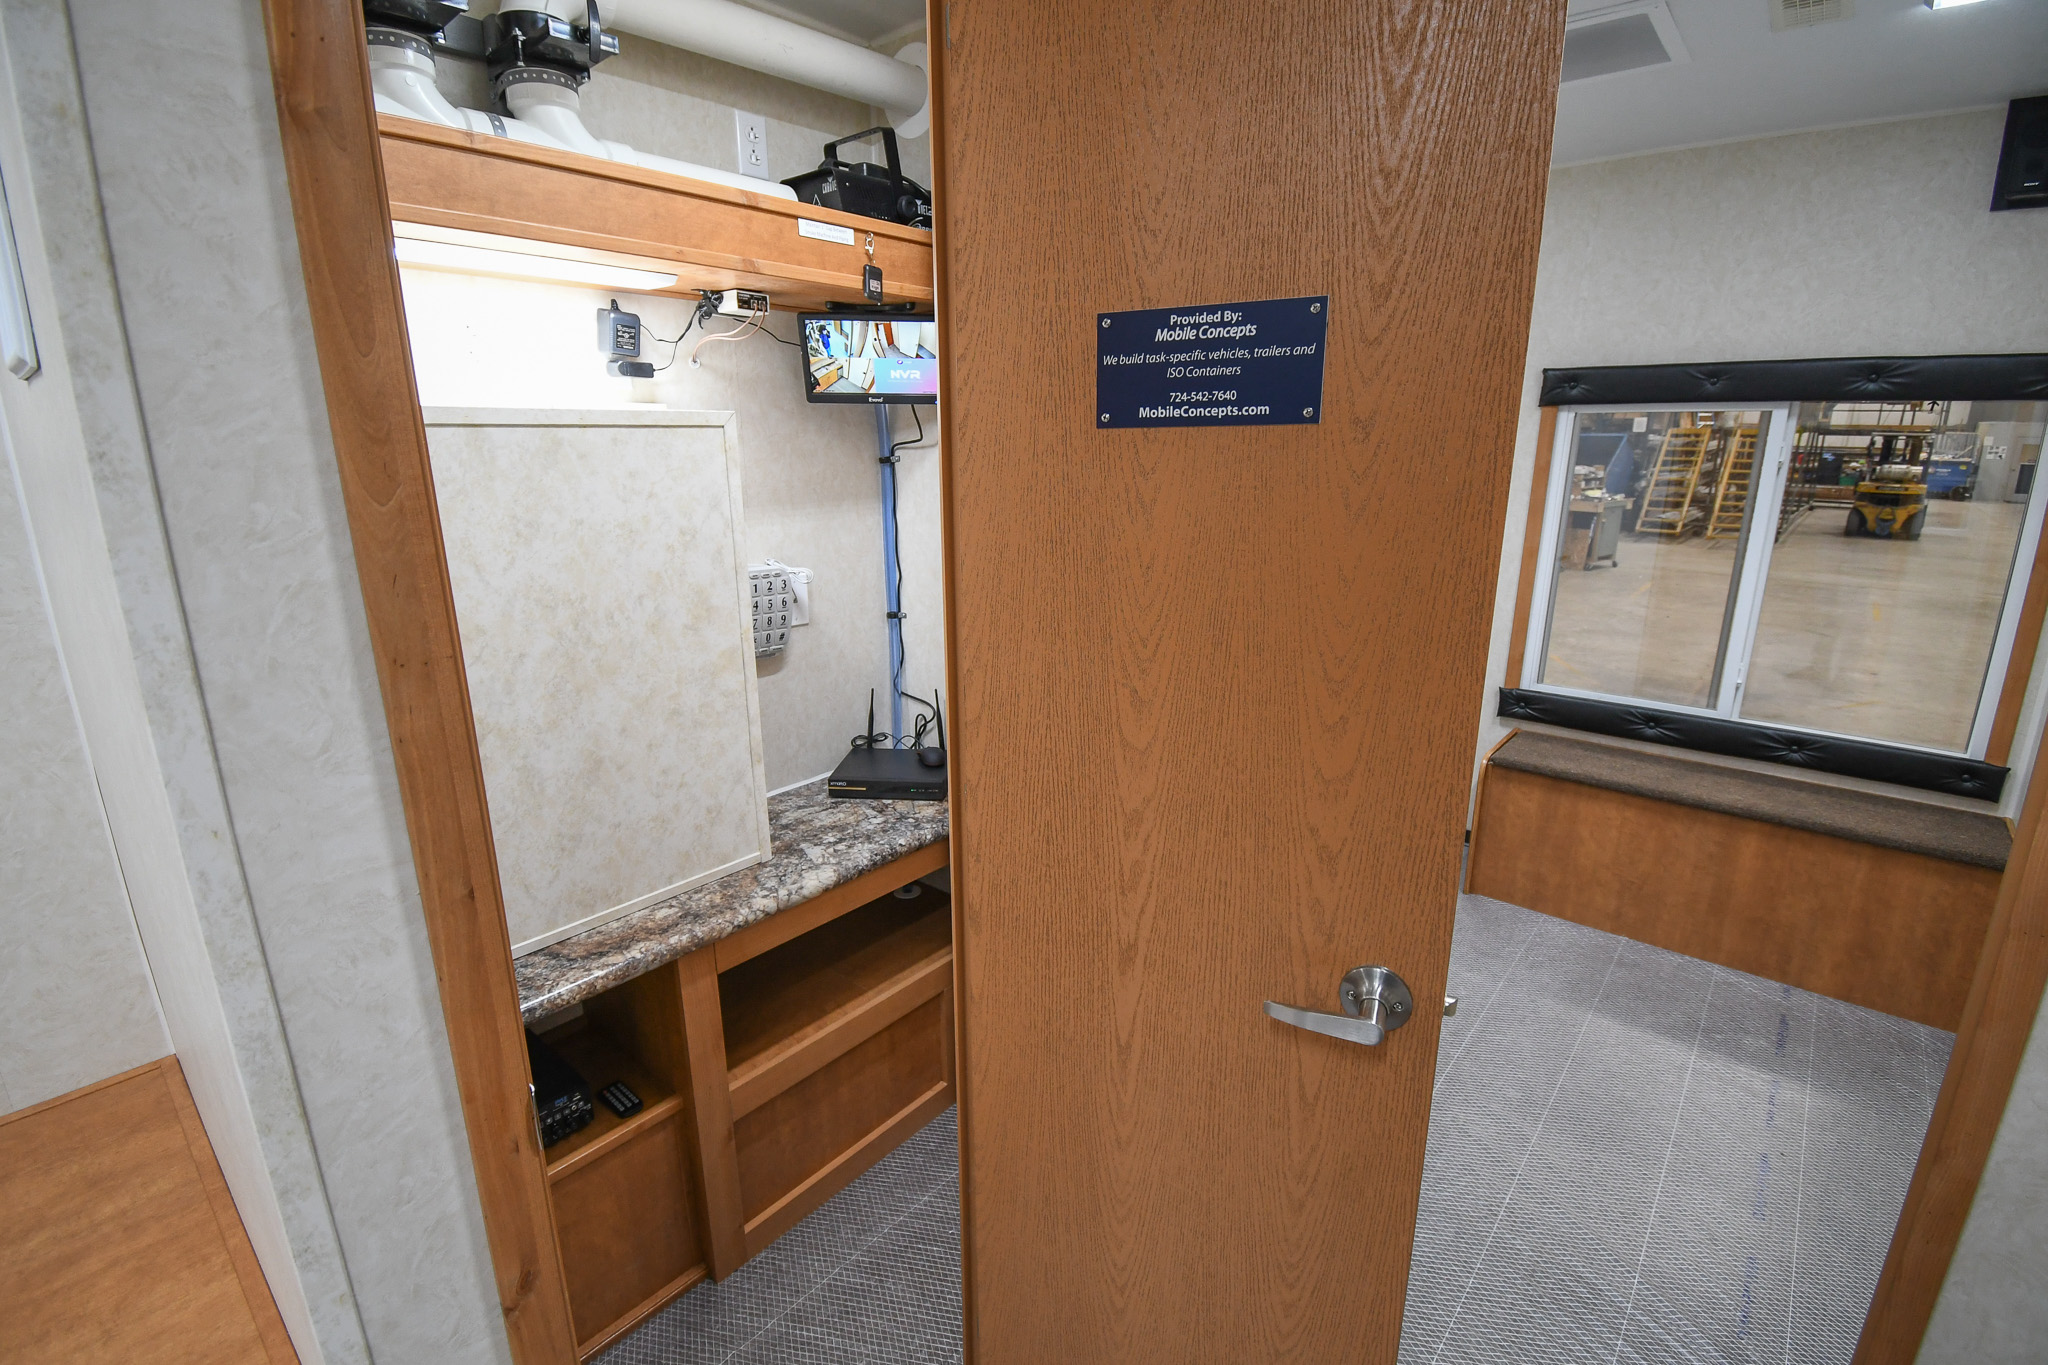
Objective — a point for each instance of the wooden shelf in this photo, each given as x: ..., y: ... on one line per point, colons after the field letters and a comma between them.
x: 711, y: 236
x: 802, y: 1005
x: 766, y: 1087
x: 600, y: 1061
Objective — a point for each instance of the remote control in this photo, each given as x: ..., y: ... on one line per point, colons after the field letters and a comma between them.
x: 620, y: 1099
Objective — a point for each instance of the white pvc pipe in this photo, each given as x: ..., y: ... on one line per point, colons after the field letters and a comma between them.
x: 762, y: 42
x: 556, y: 111
x: 402, y: 83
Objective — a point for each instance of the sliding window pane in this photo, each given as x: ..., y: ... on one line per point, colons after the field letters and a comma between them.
x: 1894, y: 554
x: 1649, y: 541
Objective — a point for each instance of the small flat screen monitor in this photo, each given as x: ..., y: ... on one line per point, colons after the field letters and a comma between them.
x: 870, y: 358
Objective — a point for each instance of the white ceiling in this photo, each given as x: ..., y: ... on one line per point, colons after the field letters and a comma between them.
x: 1894, y: 58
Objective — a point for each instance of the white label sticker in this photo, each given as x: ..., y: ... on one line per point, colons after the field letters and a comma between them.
x: 824, y: 232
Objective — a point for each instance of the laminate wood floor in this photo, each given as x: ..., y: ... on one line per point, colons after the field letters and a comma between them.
x: 122, y: 1241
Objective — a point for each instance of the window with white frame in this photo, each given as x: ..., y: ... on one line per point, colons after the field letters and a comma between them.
x: 1845, y: 568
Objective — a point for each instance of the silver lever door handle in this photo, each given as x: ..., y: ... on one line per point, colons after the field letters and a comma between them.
x: 1375, y: 1003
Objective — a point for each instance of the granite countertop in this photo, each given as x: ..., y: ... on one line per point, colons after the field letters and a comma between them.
x: 816, y: 843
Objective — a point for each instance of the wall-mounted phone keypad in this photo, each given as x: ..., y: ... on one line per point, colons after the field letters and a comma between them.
x: 774, y: 604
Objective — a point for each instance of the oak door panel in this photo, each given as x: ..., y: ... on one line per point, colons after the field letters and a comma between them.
x: 1217, y: 691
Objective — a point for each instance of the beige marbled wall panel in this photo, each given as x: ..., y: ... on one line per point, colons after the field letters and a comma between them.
x: 812, y: 486
x: 1871, y: 240
x: 596, y: 568
x: 76, y: 1002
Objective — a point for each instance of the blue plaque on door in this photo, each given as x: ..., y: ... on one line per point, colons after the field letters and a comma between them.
x: 1212, y: 365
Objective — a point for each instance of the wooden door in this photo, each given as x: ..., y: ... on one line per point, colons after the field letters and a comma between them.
x: 1217, y: 690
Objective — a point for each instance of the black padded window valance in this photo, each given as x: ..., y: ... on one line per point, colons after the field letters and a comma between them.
x: 1898, y: 379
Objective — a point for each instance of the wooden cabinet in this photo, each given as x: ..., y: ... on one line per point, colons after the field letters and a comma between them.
x: 710, y: 236
x: 774, y: 1068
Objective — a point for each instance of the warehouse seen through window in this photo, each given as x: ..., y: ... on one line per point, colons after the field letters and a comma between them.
x: 1848, y: 568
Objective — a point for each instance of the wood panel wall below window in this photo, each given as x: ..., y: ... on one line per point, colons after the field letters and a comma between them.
x: 1891, y: 930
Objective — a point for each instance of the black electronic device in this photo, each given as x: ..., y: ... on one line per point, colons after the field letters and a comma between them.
x: 932, y: 758
x: 620, y: 1099
x: 533, y: 45
x: 2022, y: 181
x: 618, y: 332
x: 864, y: 188
x: 561, y: 1099
x: 854, y: 356
x: 618, y: 336
x: 424, y: 17
x: 872, y: 772
x: 885, y: 775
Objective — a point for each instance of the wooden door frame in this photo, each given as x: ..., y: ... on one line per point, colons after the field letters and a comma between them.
x: 2005, y: 995
x: 327, y: 121
x: 328, y: 129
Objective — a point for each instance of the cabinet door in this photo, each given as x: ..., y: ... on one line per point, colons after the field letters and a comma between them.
x: 600, y: 590
x: 627, y: 1223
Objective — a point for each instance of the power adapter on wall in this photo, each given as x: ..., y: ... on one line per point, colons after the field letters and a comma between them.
x: 618, y: 336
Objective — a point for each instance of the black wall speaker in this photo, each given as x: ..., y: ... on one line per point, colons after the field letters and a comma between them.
x: 2023, y: 163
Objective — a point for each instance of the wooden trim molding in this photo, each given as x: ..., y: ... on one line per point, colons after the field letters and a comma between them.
x: 277, y: 1343
x: 785, y: 925
x: 2019, y: 668
x: 711, y: 1137
x: 1998, y: 1017
x: 321, y: 77
x: 1532, y: 542
x: 939, y: 36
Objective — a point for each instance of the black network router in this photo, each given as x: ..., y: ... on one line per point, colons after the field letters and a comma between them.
x: 870, y: 772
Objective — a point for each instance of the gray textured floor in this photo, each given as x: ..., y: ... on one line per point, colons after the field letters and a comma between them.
x: 1633, y: 1157
x: 872, y: 1278
x: 1636, y: 1156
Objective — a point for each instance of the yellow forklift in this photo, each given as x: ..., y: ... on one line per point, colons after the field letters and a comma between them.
x: 1891, y: 503
x: 1891, y: 491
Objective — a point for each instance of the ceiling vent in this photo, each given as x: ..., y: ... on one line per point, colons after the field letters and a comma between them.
x: 1617, y: 38
x: 1806, y: 13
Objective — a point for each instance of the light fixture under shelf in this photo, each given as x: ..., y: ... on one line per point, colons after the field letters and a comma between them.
x: 478, y: 253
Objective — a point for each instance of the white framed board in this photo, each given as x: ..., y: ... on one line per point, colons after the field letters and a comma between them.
x: 601, y: 594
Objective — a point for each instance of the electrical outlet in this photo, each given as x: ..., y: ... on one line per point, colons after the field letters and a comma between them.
x: 752, y: 131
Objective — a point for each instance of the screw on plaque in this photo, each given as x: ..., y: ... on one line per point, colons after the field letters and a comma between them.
x: 1105, y: 417
x: 1105, y: 322
x: 1315, y: 308
x: 1308, y: 412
